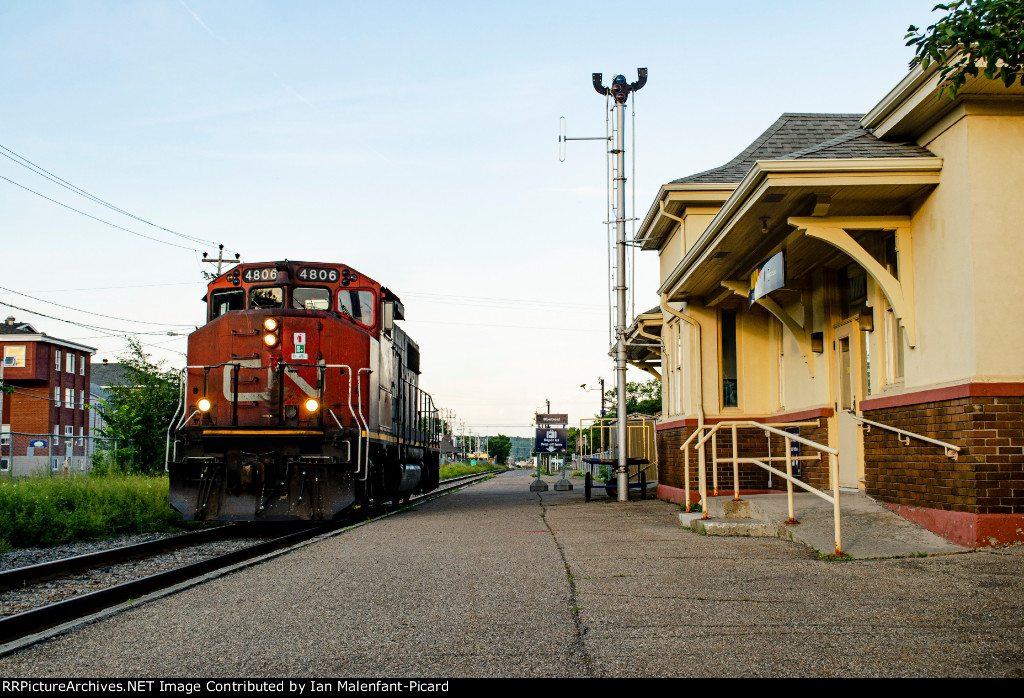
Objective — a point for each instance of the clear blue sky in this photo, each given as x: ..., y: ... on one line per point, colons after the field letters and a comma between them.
x: 415, y: 141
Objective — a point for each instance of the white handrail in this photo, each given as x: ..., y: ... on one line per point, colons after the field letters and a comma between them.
x: 787, y: 476
x: 951, y: 450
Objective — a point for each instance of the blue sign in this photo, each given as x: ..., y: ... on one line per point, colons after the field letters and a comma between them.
x: 37, y: 443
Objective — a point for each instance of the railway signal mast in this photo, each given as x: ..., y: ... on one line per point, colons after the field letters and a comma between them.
x: 619, y: 93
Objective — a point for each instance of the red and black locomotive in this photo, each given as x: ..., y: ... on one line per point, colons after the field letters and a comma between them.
x: 301, y: 399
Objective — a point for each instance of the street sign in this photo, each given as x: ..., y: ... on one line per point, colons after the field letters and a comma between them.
x: 551, y: 440
x: 544, y: 420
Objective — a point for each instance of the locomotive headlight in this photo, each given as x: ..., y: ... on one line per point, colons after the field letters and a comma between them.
x: 312, y: 405
x: 270, y: 324
x: 203, y: 405
x: 270, y: 339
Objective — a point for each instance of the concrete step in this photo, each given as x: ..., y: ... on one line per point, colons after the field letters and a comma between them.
x: 727, y: 508
x: 750, y: 528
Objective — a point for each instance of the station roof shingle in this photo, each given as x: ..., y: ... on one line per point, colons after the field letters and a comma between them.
x: 808, y: 136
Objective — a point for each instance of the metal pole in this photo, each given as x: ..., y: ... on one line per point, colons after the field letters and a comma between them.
x: 619, y: 150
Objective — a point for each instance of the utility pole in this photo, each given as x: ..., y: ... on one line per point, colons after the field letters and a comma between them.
x: 220, y: 261
x: 619, y: 92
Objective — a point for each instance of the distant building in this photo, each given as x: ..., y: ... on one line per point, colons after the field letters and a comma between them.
x: 45, y: 421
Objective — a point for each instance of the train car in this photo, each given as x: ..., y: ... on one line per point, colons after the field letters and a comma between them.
x: 301, y: 399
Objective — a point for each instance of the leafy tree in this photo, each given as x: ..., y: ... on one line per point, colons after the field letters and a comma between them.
x: 499, y: 447
x: 973, y: 31
x: 139, y: 411
x: 642, y: 398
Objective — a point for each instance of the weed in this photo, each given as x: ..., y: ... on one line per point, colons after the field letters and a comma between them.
x: 702, y: 531
x: 919, y: 553
x: 834, y: 558
x: 694, y: 507
x: 622, y: 575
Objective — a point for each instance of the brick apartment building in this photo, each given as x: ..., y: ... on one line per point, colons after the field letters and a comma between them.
x: 45, y: 421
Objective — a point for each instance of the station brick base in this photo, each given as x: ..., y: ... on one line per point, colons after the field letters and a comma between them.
x: 750, y: 443
x: 975, y: 500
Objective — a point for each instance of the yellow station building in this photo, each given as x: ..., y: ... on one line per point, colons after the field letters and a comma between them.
x: 850, y: 269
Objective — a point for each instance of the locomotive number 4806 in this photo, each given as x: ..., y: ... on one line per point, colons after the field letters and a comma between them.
x: 260, y: 274
x: 311, y: 274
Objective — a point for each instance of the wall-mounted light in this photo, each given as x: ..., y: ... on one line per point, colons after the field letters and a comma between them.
x: 867, y: 318
x: 818, y: 342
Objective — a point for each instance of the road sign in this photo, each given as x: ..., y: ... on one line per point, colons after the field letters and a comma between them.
x: 551, y: 440
x: 544, y: 420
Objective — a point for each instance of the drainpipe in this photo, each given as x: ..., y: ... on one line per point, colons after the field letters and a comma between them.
x: 699, y: 383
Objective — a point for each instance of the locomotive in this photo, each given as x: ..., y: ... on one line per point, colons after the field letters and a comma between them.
x: 300, y: 399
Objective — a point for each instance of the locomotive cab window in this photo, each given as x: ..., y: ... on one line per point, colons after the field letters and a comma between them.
x: 224, y: 301
x: 306, y: 298
x: 266, y: 297
x: 357, y: 305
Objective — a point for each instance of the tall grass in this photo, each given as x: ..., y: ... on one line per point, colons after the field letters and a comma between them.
x: 40, y: 512
x: 456, y: 469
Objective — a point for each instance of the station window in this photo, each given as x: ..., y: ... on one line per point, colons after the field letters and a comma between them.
x: 56, y: 397
x: 81, y: 366
x: 307, y: 298
x: 266, y: 297
x: 71, y: 362
x: 69, y: 397
x: 730, y: 364
x: 14, y: 356
x: 5, y: 465
x: 56, y: 363
x: 225, y: 301
x: 357, y: 305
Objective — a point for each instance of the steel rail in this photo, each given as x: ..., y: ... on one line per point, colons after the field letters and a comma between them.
x: 19, y: 626
x: 23, y: 576
x: 45, y: 617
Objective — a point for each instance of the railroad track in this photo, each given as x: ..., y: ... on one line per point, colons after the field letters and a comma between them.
x: 30, y: 626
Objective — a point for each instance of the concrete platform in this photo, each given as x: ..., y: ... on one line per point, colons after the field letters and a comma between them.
x: 869, y: 530
x: 498, y: 581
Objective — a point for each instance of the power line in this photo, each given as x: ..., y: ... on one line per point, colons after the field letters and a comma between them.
x: 87, y: 215
x: 79, y: 310
x: 111, y: 332
x: 46, y: 174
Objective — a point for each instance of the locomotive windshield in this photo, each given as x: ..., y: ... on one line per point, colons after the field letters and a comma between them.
x: 307, y: 298
x: 266, y: 297
x: 357, y: 305
x: 223, y: 301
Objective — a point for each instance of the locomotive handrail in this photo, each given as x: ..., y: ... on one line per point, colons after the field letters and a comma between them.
x: 170, y: 425
x: 363, y: 422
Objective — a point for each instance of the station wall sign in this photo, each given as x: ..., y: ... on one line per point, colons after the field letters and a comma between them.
x: 544, y: 420
x: 769, y: 276
x: 551, y: 440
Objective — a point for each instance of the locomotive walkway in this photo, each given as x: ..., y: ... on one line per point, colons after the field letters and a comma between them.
x: 498, y: 581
